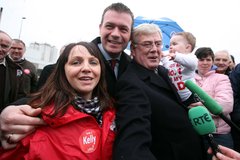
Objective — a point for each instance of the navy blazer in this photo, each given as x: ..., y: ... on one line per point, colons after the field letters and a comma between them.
x: 152, y: 123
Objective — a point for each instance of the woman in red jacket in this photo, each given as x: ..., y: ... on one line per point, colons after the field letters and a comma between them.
x: 76, y: 108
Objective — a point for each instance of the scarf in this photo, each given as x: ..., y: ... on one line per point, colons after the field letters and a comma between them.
x: 90, y: 107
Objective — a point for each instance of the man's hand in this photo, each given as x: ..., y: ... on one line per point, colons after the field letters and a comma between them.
x: 16, y: 122
x: 227, y: 154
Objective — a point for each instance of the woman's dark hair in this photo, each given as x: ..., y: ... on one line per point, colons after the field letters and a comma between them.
x: 204, y: 52
x: 58, y: 90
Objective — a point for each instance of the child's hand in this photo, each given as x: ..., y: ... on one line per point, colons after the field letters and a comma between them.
x: 170, y: 55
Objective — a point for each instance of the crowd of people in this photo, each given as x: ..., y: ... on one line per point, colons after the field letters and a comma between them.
x: 97, y: 102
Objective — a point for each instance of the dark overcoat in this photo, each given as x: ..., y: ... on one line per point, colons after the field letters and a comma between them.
x: 152, y: 123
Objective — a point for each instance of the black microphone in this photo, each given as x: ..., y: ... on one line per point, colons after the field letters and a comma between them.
x: 204, y: 125
x: 209, y: 103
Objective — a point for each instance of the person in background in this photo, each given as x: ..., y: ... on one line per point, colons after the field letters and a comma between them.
x: 181, y: 64
x: 45, y: 73
x: 152, y: 123
x: 115, y: 31
x: 232, y: 62
x: 76, y: 108
x: 235, y: 115
x: 226, y: 154
x: 10, y: 74
x: 217, y: 86
x: 222, y: 61
x: 16, y: 54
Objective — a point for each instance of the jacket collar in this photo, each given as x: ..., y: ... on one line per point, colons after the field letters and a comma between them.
x: 198, y: 76
x: 149, y: 76
x: 160, y: 80
x: 71, y: 115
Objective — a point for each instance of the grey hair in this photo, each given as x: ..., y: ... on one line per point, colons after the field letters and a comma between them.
x: 145, y: 29
x: 224, y: 51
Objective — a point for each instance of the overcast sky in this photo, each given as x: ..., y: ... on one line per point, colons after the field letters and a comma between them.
x: 215, y: 23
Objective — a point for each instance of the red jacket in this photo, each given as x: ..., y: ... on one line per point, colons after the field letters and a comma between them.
x: 74, y: 136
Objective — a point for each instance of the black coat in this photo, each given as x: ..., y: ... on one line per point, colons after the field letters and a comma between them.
x: 235, y: 81
x: 152, y: 123
x: 14, y: 86
x: 109, y: 74
x: 29, y: 79
x: 47, y: 70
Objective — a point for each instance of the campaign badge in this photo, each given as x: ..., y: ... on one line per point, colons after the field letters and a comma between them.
x: 89, y: 140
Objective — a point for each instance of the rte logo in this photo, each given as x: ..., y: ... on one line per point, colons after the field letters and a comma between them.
x: 205, y: 118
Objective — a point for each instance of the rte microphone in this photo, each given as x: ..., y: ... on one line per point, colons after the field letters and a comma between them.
x: 209, y: 103
x: 204, y: 125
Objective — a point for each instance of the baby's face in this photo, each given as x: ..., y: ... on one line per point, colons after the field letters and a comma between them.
x: 179, y: 44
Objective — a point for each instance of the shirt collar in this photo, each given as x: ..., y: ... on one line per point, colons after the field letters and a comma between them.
x: 105, y: 54
x: 3, y: 62
x: 20, y: 60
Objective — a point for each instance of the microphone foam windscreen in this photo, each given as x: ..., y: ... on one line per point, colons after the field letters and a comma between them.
x: 201, y: 120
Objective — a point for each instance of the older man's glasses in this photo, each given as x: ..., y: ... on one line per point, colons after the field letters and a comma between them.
x: 150, y: 45
x: 4, y: 46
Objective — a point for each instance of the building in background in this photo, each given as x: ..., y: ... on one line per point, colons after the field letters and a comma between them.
x: 41, y: 54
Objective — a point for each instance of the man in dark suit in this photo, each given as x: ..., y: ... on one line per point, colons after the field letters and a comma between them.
x: 151, y: 120
x: 115, y: 32
x: 112, y: 75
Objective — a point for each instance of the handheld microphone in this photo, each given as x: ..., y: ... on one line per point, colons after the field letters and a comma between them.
x: 209, y: 103
x: 204, y: 125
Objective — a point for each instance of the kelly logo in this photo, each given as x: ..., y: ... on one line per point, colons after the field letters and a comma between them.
x: 89, y: 140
